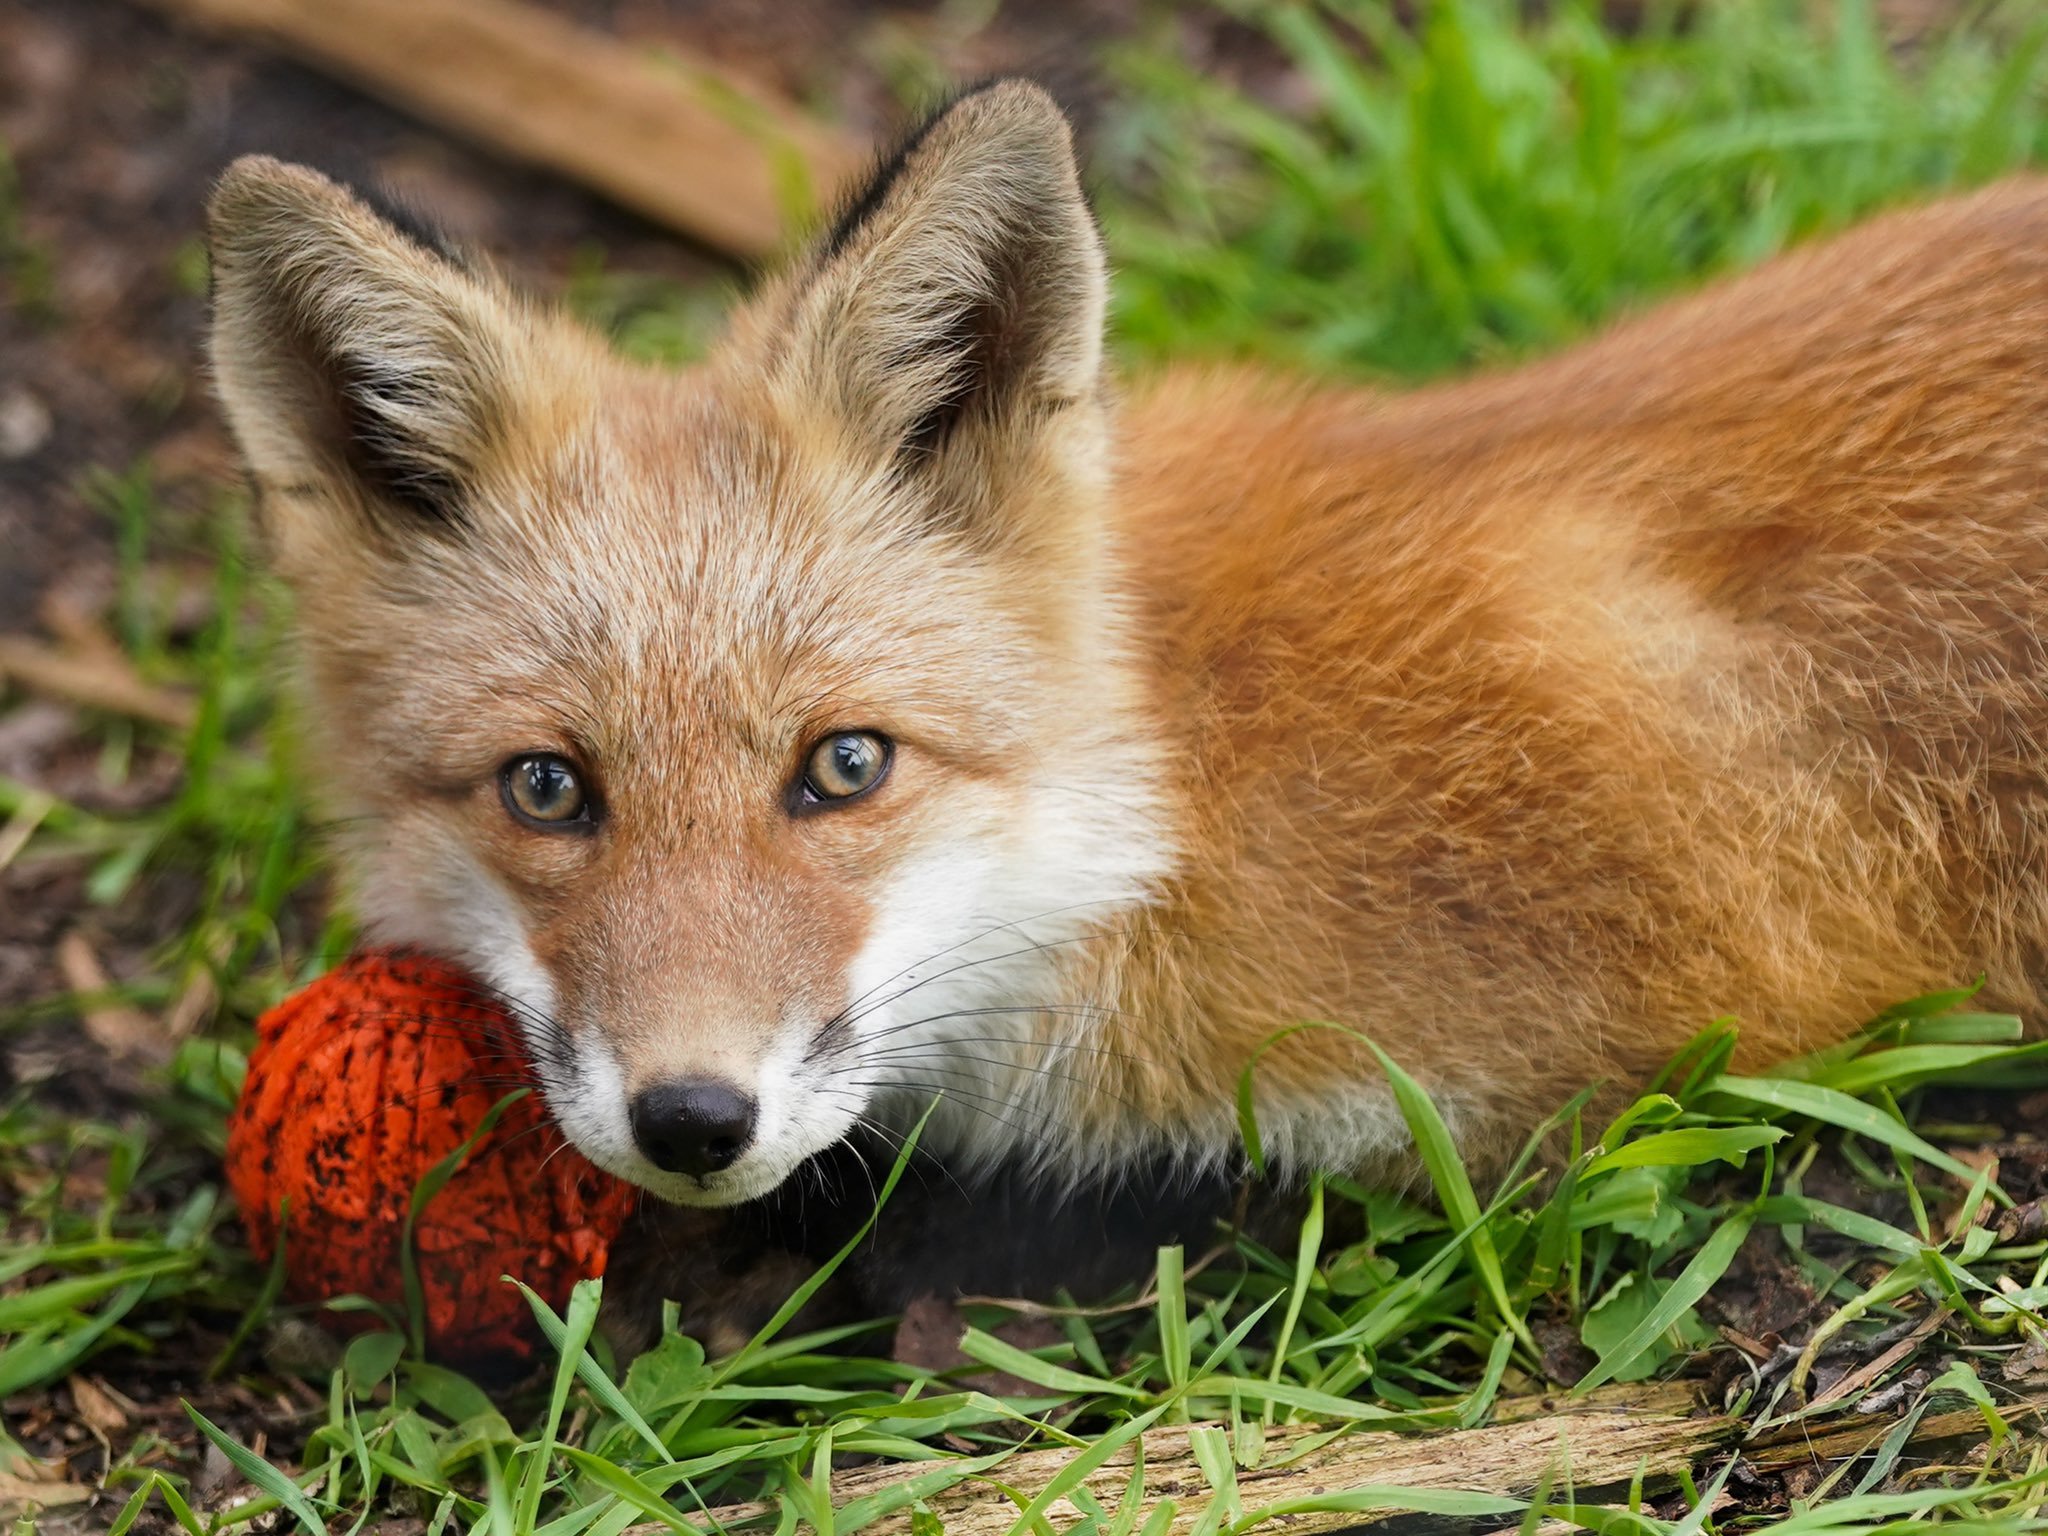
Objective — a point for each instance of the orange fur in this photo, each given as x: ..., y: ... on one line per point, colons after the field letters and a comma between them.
x: 1536, y: 720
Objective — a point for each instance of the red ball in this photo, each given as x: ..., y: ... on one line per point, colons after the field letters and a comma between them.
x: 359, y: 1085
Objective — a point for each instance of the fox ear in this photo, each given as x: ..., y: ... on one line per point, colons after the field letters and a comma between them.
x: 957, y: 306
x: 355, y: 358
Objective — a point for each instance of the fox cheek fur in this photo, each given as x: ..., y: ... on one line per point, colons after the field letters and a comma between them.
x: 1525, y: 723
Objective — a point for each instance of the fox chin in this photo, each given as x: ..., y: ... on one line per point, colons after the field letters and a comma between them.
x: 895, y: 720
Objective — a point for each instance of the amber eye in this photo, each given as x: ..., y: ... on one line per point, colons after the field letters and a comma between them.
x: 842, y: 766
x: 544, y: 789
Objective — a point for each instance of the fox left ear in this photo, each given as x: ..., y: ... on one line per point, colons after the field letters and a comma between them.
x: 952, y: 320
x: 365, y: 372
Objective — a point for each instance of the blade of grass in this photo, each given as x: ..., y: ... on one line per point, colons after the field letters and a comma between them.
x: 1693, y: 1282
x: 1838, y: 1109
x: 261, y: 1473
x: 600, y: 1386
x: 1453, y: 1187
x: 430, y: 1184
x: 582, y: 1317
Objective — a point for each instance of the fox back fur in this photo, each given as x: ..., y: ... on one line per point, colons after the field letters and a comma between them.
x: 1523, y: 725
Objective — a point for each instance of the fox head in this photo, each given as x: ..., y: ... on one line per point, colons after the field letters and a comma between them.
x: 762, y: 731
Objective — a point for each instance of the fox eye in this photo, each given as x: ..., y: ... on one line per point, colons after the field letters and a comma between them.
x: 843, y: 766
x: 544, y: 791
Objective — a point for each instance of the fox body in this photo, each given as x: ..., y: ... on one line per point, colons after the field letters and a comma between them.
x: 892, y: 708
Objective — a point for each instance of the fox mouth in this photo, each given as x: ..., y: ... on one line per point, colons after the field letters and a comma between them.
x: 735, y: 1186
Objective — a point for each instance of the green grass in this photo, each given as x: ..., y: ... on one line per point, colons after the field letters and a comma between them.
x: 1477, y: 189
x: 1474, y: 189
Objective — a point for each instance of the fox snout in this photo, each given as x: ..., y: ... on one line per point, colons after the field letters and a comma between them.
x: 686, y: 1111
x: 686, y: 1024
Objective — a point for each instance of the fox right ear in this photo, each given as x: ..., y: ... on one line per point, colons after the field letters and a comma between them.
x: 356, y: 361
x: 950, y: 325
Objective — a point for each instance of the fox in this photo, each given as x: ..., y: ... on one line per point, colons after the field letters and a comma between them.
x: 898, y: 722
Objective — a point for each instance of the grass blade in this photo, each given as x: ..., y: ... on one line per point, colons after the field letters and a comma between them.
x: 1453, y: 1187
x: 261, y: 1473
x: 576, y: 1328
x: 1838, y: 1109
x: 1693, y: 1282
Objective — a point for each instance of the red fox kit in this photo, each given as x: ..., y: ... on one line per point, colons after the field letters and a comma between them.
x: 894, y: 706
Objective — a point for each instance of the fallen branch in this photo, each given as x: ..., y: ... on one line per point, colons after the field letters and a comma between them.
x: 1817, y: 1442
x: 673, y: 139
x: 1602, y: 1440
x: 1596, y: 1447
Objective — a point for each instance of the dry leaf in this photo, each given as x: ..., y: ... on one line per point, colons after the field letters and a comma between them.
x: 96, y: 1407
x: 21, y: 826
x: 18, y: 1493
x: 77, y: 625
x: 1981, y: 1159
x: 194, y: 1005
x: 126, y: 1032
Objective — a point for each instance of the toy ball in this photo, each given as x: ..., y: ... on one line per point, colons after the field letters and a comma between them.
x: 359, y: 1086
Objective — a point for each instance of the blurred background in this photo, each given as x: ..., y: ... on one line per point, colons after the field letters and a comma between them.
x: 1388, y: 191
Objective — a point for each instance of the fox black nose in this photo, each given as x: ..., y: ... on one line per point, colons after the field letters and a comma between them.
x: 693, y: 1125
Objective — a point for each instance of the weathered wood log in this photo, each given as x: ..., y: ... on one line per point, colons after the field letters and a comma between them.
x: 1594, y: 1447
x: 671, y: 138
x: 1592, y: 1443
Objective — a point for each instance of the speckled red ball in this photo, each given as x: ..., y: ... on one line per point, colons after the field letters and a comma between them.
x: 360, y: 1084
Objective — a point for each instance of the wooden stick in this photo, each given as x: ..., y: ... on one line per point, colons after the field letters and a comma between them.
x: 670, y: 138
x: 1596, y: 1446
x: 1853, y: 1384
x: 94, y: 679
x: 1598, y: 1441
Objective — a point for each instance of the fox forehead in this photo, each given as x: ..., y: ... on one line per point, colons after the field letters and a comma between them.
x: 675, y: 575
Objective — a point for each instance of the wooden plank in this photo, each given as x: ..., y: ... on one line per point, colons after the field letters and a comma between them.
x: 670, y: 138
